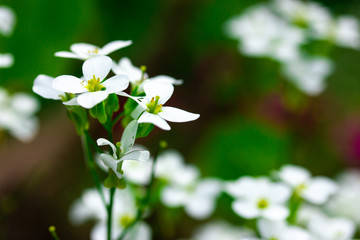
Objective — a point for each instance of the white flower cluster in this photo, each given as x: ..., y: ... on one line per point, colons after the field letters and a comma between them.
x: 17, y: 115
x: 90, y: 206
x: 7, y: 22
x: 293, y: 206
x: 17, y: 110
x: 94, y: 87
x: 281, y: 30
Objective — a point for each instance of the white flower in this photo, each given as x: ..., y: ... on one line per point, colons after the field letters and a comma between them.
x: 331, y: 228
x: 308, y: 74
x: 7, y: 20
x: 136, y: 75
x: 124, y: 152
x: 280, y: 230
x: 43, y: 86
x: 263, y: 34
x: 90, y: 206
x: 258, y: 197
x: 94, y: 89
x: 218, y: 229
x: 316, y: 190
x: 344, y: 31
x: 303, y: 14
x: 345, y: 202
x: 6, y: 60
x: 17, y: 115
x: 84, y: 50
x: 198, y: 198
x: 157, y: 94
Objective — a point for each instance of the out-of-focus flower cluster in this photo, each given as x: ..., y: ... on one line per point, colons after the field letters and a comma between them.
x: 17, y: 110
x: 299, y: 35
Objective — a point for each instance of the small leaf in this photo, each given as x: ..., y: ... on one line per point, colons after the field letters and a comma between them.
x: 144, y: 129
x: 98, y: 112
x: 112, y: 104
x: 113, y: 181
x: 79, y: 117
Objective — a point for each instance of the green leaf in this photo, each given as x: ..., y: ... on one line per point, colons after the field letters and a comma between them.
x: 111, y: 104
x: 144, y: 129
x: 113, y: 181
x: 99, y: 113
x: 79, y: 117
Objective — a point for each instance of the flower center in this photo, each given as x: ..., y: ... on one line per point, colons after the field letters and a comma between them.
x: 153, y: 107
x: 96, y: 50
x: 300, y: 189
x: 125, y: 220
x: 262, y: 203
x: 94, y: 85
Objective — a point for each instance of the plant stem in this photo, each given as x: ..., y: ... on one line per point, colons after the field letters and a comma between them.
x: 113, y: 123
x: 86, y: 143
x: 109, y: 213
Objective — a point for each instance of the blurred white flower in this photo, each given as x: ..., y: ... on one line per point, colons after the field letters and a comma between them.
x: 308, y: 74
x: 94, y: 89
x: 136, y: 75
x: 263, y: 34
x: 157, y: 94
x: 307, y: 212
x: 7, y: 20
x: 331, y: 228
x: 90, y: 206
x: 6, y: 60
x: 259, y: 197
x: 184, y: 188
x: 316, y: 190
x: 303, y: 14
x: 17, y: 115
x: 346, y: 202
x: 124, y: 152
x: 280, y: 230
x: 344, y: 31
x: 218, y: 229
x: 84, y: 51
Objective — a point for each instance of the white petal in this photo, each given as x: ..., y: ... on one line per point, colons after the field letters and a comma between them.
x: 69, y: 84
x: 137, y: 155
x: 99, y: 66
x: 154, y: 119
x: 83, y: 50
x: 166, y: 79
x: 65, y: 54
x: 141, y: 231
x: 6, y: 60
x: 72, y: 102
x: 116, y: 83
x: 163, y: 90
x: 90, y: 99
x: 99, y: 231
x: 24, y: 104
x: 319, y: 190
x: 115, y: 45
x: 294, y: 175
x: 245, y: 209
x: 172, y: 196
x: 200, y: 207
x: 128, y: 136
x: 43, y: 87
x: 125, y: 67
x: 104, y: 142
x: 177, y: 115
x: 276, y: 212
x: 111, y: 163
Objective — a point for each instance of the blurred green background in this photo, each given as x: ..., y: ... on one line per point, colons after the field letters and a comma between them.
x: 244, y: 128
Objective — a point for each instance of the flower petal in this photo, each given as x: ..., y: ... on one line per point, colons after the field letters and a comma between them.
x: 6, y: 60
x: 90, y: 99
x: 116, y: 83
x: 43, y: 87
x: 166, y: 79
x: 104, y: 142
x: 177, y: 115
x: 154, y: 119
x: 245, y: 209
x: 163, y: 90
x: 69, y: 84
x: 83, y: 49
x: 136, y: 155
x: 276, y: 212
x: 115, y: 45
x: 72, y: 102
x: 128, y: 136
x: 111, y: 163
x: 99, y: 66
x: 65, y: 54
x: 125, y: 67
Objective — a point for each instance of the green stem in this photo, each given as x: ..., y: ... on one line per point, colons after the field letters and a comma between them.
x: 144, y: 203
x: 109, y: 213
x: 113, y: 123
x: 52, y: 231
x: 86, y: 142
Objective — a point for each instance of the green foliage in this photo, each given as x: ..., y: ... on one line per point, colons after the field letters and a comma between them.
x: 144, y: 129
x: 112, y: 104
x: 98, y: 112
x: 79, y: 117
x: 113, y: 181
